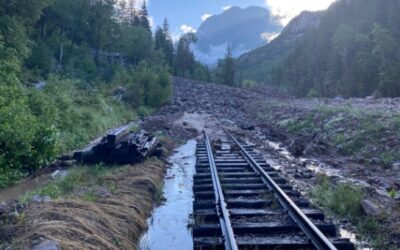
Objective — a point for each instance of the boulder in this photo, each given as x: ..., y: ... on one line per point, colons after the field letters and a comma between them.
x: 396, y: 166
x: 250, y: 127
x: 370, y: 208
x: 40, y: 199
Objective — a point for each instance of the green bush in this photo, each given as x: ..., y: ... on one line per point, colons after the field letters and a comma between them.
x: 146, y: 86
x: 342, y: 199
x: 25, y: 141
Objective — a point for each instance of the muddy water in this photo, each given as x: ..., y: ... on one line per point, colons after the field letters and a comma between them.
x: 15, y: 191
x: 168, y: 226
x: 321, y: 168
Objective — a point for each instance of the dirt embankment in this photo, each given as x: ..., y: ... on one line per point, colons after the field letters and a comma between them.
x: 113, y: 221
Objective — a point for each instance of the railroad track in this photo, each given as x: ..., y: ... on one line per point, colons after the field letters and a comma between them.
x: 241, y: 202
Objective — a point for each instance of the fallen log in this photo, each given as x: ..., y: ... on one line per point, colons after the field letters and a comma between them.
x: 120, y: 148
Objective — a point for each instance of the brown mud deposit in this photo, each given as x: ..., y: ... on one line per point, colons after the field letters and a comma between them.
x: 257, y: 115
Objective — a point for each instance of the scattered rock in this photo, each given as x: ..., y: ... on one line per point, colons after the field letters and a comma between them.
x: 396, y: 166
x: 248, y: 127
x: 370, y: 208
x: 101, y: 192
x: 375, y: 161
x: 59, y: 174
x: 40, y: 199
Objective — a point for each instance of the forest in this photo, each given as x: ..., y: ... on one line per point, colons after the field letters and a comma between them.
x: 354, y: 52
x: 70, y: 69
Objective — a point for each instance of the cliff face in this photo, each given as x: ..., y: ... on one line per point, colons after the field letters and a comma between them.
x: 241, y: 29
x: 290, y: 35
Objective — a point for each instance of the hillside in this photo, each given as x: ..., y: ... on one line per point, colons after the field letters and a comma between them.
x: 242, y: 29
x: 353, y: 52
x: 249, y: 63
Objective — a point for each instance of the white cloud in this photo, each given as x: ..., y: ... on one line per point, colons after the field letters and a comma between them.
x: 287, y: 9
x: 267, y: 36
x: 186, y: 29
x: 226, y: 7
x: 205, y: 17
x: 152, y: 22
x: 139, y: 3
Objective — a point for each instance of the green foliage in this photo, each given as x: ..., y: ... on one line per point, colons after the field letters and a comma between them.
x: 85, y: 51
x: 352, y: 53
x: 146, y: 85
x: 82, y: 112
x: 26, y: 141
x: 225, y: 71
x: 184, y: 64
x: 163, y: 42
x: 345, y: 200
x: 342, y: 199
x: 78, y: 177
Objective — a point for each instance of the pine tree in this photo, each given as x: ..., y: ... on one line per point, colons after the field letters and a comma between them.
x: 226, y: 69
x: 168, y: 45
x: 184, y: 60
x: 144, y: 17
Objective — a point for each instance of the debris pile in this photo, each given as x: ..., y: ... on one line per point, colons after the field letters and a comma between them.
x: 120, y: 147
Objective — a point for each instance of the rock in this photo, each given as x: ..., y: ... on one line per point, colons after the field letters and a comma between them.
x: 46, y: 245
x: 396, y: 166
x: 102, y: 192
x: 40, y: 199
x: 40, y: 85
x: 375, y: 160
x: 370, y: 208
x: 59, y: 174
x: 247, y: 126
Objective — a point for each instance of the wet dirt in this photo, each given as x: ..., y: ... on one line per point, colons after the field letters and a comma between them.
x: 14, y: 192
x: 168, y: 225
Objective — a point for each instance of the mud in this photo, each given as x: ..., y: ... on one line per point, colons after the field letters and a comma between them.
x: 254, y: 115
x: 14, y: 192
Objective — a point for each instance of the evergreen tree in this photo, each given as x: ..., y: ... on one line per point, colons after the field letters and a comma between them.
x: 226, y: 69
x: 163, y: 42
x: 184, y: 61
x: 144, y: 17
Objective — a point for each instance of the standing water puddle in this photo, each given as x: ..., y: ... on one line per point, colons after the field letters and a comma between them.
x: 168, y: 226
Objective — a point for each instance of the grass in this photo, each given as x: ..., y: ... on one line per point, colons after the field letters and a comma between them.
x: 78, y: 177
x: 344, y: 200
x: 349, y: 131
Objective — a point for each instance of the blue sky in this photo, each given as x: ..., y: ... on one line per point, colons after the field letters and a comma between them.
x: 190, y: 12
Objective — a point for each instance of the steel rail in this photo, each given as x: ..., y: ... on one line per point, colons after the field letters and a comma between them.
x: 222, y: 210
x: 318, y: 239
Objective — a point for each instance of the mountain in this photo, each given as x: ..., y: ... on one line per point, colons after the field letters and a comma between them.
x: 353, y: 52
x: 253, y: 65
x: 242, y: 29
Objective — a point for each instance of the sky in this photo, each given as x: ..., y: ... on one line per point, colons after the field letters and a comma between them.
x: 187, y: 15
